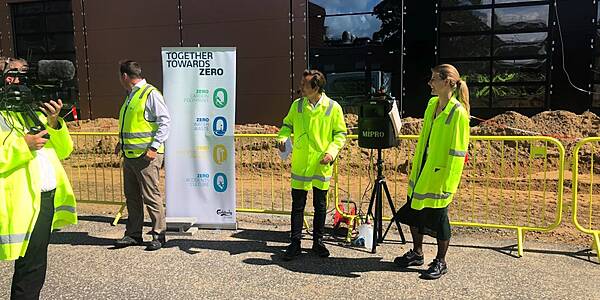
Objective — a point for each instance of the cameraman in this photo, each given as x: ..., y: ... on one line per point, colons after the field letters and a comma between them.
x: 35, y: 195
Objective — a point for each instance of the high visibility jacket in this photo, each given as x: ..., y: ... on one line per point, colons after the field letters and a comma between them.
x: 434, y: 183
x: 135, y: 132
x: 20, y: 187
x: 316, y: 131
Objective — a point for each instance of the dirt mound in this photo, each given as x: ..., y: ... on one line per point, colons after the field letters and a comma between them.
x: 508, y: 123
x: 256, y: 128
x: 96, y: 125
x: 567, y: 125
x: 411, y: 126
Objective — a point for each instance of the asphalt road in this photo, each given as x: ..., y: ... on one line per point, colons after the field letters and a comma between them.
x: 247, y: 264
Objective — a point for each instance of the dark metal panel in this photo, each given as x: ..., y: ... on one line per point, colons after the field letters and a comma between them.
x: 261, y: 34
x: 126, y: 30
x: 108, y: 94
x: 119, y: 14
x: 300, y: 34
x: 218, y: 11
x: 262, y: 38
x: 6, y: 41
x: 80, y: 63
x: 260, y: 108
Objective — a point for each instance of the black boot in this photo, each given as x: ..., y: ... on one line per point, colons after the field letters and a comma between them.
x: 319, y: 248
x: 158, y: 241
x: 293, y: 250
x: 127, y: 241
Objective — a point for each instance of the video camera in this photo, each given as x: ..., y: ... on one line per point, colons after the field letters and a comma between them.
x: 47, y: 80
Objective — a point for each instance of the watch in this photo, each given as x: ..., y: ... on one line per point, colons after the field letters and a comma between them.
x: 152, y: 148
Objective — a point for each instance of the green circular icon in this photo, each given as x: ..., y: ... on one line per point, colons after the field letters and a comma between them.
x: 220, y: 97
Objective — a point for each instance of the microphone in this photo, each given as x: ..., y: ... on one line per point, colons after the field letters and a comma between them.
x: 56, y: 70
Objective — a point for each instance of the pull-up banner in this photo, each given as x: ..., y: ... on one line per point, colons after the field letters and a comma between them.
x: 199, y: 87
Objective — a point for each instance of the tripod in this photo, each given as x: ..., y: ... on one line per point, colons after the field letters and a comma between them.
x: 376, y: 203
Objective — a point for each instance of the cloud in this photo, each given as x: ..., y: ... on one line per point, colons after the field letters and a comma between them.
x: 333, y: 7
x: 359, y: 25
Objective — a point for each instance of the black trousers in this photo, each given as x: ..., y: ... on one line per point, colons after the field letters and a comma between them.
x: 298, y: 204
x: 30, y: 270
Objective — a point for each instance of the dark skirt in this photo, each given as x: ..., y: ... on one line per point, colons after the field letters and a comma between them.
x: 433, y: 222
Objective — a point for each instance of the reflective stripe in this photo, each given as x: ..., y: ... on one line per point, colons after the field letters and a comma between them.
x: 14, y: 238
x: 411, y: 184
x: 133, y: 135
x: 309, y: 179
x: 300, y: 105
x: 452, y: 113
x: 330, y: 108
x: 144, y: 91
x: 65, y: 208
x: 457, y: 153
x: 431, y: 196
x: 135, y: 146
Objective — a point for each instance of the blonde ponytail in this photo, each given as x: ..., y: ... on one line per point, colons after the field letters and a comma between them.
x: 463, y: 94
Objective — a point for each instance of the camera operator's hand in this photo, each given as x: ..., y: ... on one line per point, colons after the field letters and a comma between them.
x: 37, y: 141
x: 52, y: 109
x: 327, y: 158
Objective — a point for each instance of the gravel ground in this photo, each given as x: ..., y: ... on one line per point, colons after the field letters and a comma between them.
x: 247, y: 264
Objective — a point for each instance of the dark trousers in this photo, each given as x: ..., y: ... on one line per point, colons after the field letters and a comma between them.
x: 30, y: 270
x: 298, y: 204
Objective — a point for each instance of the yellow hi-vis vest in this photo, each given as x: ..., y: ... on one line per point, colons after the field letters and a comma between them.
x: 20, y: 187
x: 135, y: 132
x: 434, y: 183
x: 316, y: 131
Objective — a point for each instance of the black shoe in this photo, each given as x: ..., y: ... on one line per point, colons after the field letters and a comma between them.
x: 127, y: 241
x: 292, y: 251
x: 319, y: 248
x: 410, y: 258
x: 158, y: 241
x: 437, y: 268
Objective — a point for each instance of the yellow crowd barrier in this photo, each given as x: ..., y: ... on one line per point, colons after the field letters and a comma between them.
x: 584, y: 172
x: 508, y: 182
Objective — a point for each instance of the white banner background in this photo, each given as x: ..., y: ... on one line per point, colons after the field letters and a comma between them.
x: 199, y: 89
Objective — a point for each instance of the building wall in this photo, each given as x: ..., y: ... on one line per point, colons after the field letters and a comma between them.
x: 109, y: 30
x: 273, y: 41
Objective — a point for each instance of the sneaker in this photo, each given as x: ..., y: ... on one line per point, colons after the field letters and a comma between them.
x: 437, y: 268
x: 292, y: 251
x: 320, y: 249
x: 127, y: 241
x: 410, y: 258
x: 158, y: 241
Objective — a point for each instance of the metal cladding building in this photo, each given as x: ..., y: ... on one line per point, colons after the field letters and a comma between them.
x: 509, y: 51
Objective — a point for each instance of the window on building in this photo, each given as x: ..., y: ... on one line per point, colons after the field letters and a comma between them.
x: 357, y: 45
x: 500, y: 47
x: 43, y: 30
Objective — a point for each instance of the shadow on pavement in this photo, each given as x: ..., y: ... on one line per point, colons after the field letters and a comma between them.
x: 255, y: 240
x: 79, y: 239
x: 332, y: 266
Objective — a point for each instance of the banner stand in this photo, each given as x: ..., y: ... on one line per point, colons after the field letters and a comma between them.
x: 199, y: 85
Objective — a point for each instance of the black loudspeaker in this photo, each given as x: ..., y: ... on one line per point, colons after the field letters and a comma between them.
x: 375, y: 129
